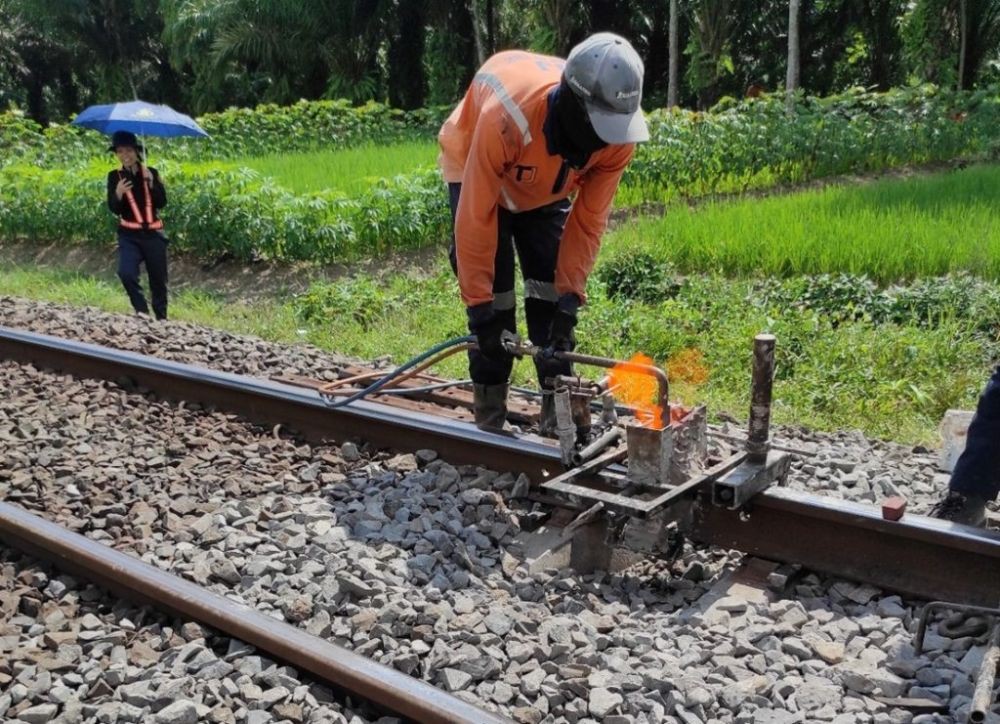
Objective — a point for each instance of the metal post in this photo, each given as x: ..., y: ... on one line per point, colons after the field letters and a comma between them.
x: 609, y: 415
x: 649, y: 454
x: 590, y: 550
x: 760, y: 397
x: 983, y: 693
x: 565, y: 426
x: 580, y: 406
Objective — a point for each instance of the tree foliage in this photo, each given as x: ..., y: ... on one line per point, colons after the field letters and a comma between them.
x: 932, y: 36
x: 206, y: 55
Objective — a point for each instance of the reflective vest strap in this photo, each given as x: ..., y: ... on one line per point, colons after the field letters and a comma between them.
x: 126, y: 224
x: 149, y: 194
x: 507, y: 102
x: 149, y: 222
x: 130, y: 197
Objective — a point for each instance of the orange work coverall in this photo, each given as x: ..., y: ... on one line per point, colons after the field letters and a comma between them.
x: 494, y: 145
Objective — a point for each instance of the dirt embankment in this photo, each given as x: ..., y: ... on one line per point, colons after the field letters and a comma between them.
x: 230, y: 279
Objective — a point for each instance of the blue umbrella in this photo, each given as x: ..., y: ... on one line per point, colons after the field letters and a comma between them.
x: 139, y: 117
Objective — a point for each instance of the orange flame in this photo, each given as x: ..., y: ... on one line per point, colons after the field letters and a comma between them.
x: 688, y: 365
x: 636, y: 389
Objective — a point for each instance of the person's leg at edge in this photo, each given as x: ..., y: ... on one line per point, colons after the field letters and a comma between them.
x: 155, y: 253
x: 490, y: 377
x: 976, y: 478
x: 537, y: 234
x: 129, y: 258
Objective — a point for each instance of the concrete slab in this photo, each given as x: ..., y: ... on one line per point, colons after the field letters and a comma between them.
x: 543, y: 548
x: 747, y: 584
x: 585, y: 551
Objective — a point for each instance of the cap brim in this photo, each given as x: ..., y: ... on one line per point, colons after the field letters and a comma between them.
x: 618, y: 127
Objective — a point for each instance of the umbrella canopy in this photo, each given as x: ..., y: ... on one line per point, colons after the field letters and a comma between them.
x: 140, y: 118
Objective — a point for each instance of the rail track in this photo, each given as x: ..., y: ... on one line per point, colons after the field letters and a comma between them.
x: 915, y: 556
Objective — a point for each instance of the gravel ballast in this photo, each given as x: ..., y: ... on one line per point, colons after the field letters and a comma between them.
x: 414, y: 562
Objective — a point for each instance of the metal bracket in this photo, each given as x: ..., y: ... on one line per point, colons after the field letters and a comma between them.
x: 736, y: 488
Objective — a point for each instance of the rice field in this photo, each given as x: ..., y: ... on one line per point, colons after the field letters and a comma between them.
x: 888, y: 230
x: 350, y: 171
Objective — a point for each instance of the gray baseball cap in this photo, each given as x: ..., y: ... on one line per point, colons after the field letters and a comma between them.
x: 606, y: 72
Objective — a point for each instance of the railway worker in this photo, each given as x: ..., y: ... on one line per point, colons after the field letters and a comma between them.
x: 532, y: 157
x: 976, y: 477
x: 136, y: 194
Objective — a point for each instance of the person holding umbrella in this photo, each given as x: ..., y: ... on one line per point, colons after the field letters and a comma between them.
x: 136, y: 194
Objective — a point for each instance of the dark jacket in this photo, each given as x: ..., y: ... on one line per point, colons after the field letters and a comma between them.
x: 123, y: 208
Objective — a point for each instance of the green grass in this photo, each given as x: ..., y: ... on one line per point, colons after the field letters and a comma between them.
x: 888, y: 230
x: 350, y: 171
x: 270, y: 320
x: 891, y: 381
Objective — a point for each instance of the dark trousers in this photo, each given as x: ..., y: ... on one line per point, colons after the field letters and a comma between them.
x: 978, y: 469
x: 535, y: 236
x: 133, y: 250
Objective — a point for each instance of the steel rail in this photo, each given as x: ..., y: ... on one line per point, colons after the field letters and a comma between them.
x: 302, y: 410
x: 385, y: 687
x: 919, y: 556
x: 916, y: 555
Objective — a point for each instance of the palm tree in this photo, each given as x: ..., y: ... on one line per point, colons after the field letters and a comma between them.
x: 674, y: 53
x: 792, y: 80
x: 293, y: 49
x: 949, y: 41
x: 712, y: 24
x: 12, y: 28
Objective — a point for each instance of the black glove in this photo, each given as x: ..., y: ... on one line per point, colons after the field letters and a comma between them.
x: 488, y: 326
x: 561, y: 337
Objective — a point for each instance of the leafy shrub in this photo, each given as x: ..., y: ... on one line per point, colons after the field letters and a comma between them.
x: 838, y: 297
x: 639, y: 276
x: 735, y: 147
x: 215, y: 211
x: 926, y: 303
x: 234, y: 133
x: 755, y: 143
x: 362, y: 298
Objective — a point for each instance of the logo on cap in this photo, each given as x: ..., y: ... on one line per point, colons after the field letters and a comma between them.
x: 579, y: 86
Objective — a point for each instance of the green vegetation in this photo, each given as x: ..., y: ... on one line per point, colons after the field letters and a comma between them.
x: 234, y: 133
x: 351, y: 171
x: 232, y: 211
x: 207, y: 55
x: 888, y: 230
x: 892, y: 379
x: 757, y: 144
x: 217, y: 209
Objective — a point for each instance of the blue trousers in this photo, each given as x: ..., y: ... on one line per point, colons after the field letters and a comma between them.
x: 133, y: 250
x: 535, y: 236
x: 978, y: 469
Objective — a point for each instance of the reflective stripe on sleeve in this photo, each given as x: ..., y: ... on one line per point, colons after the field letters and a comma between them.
x: 508, y: 103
